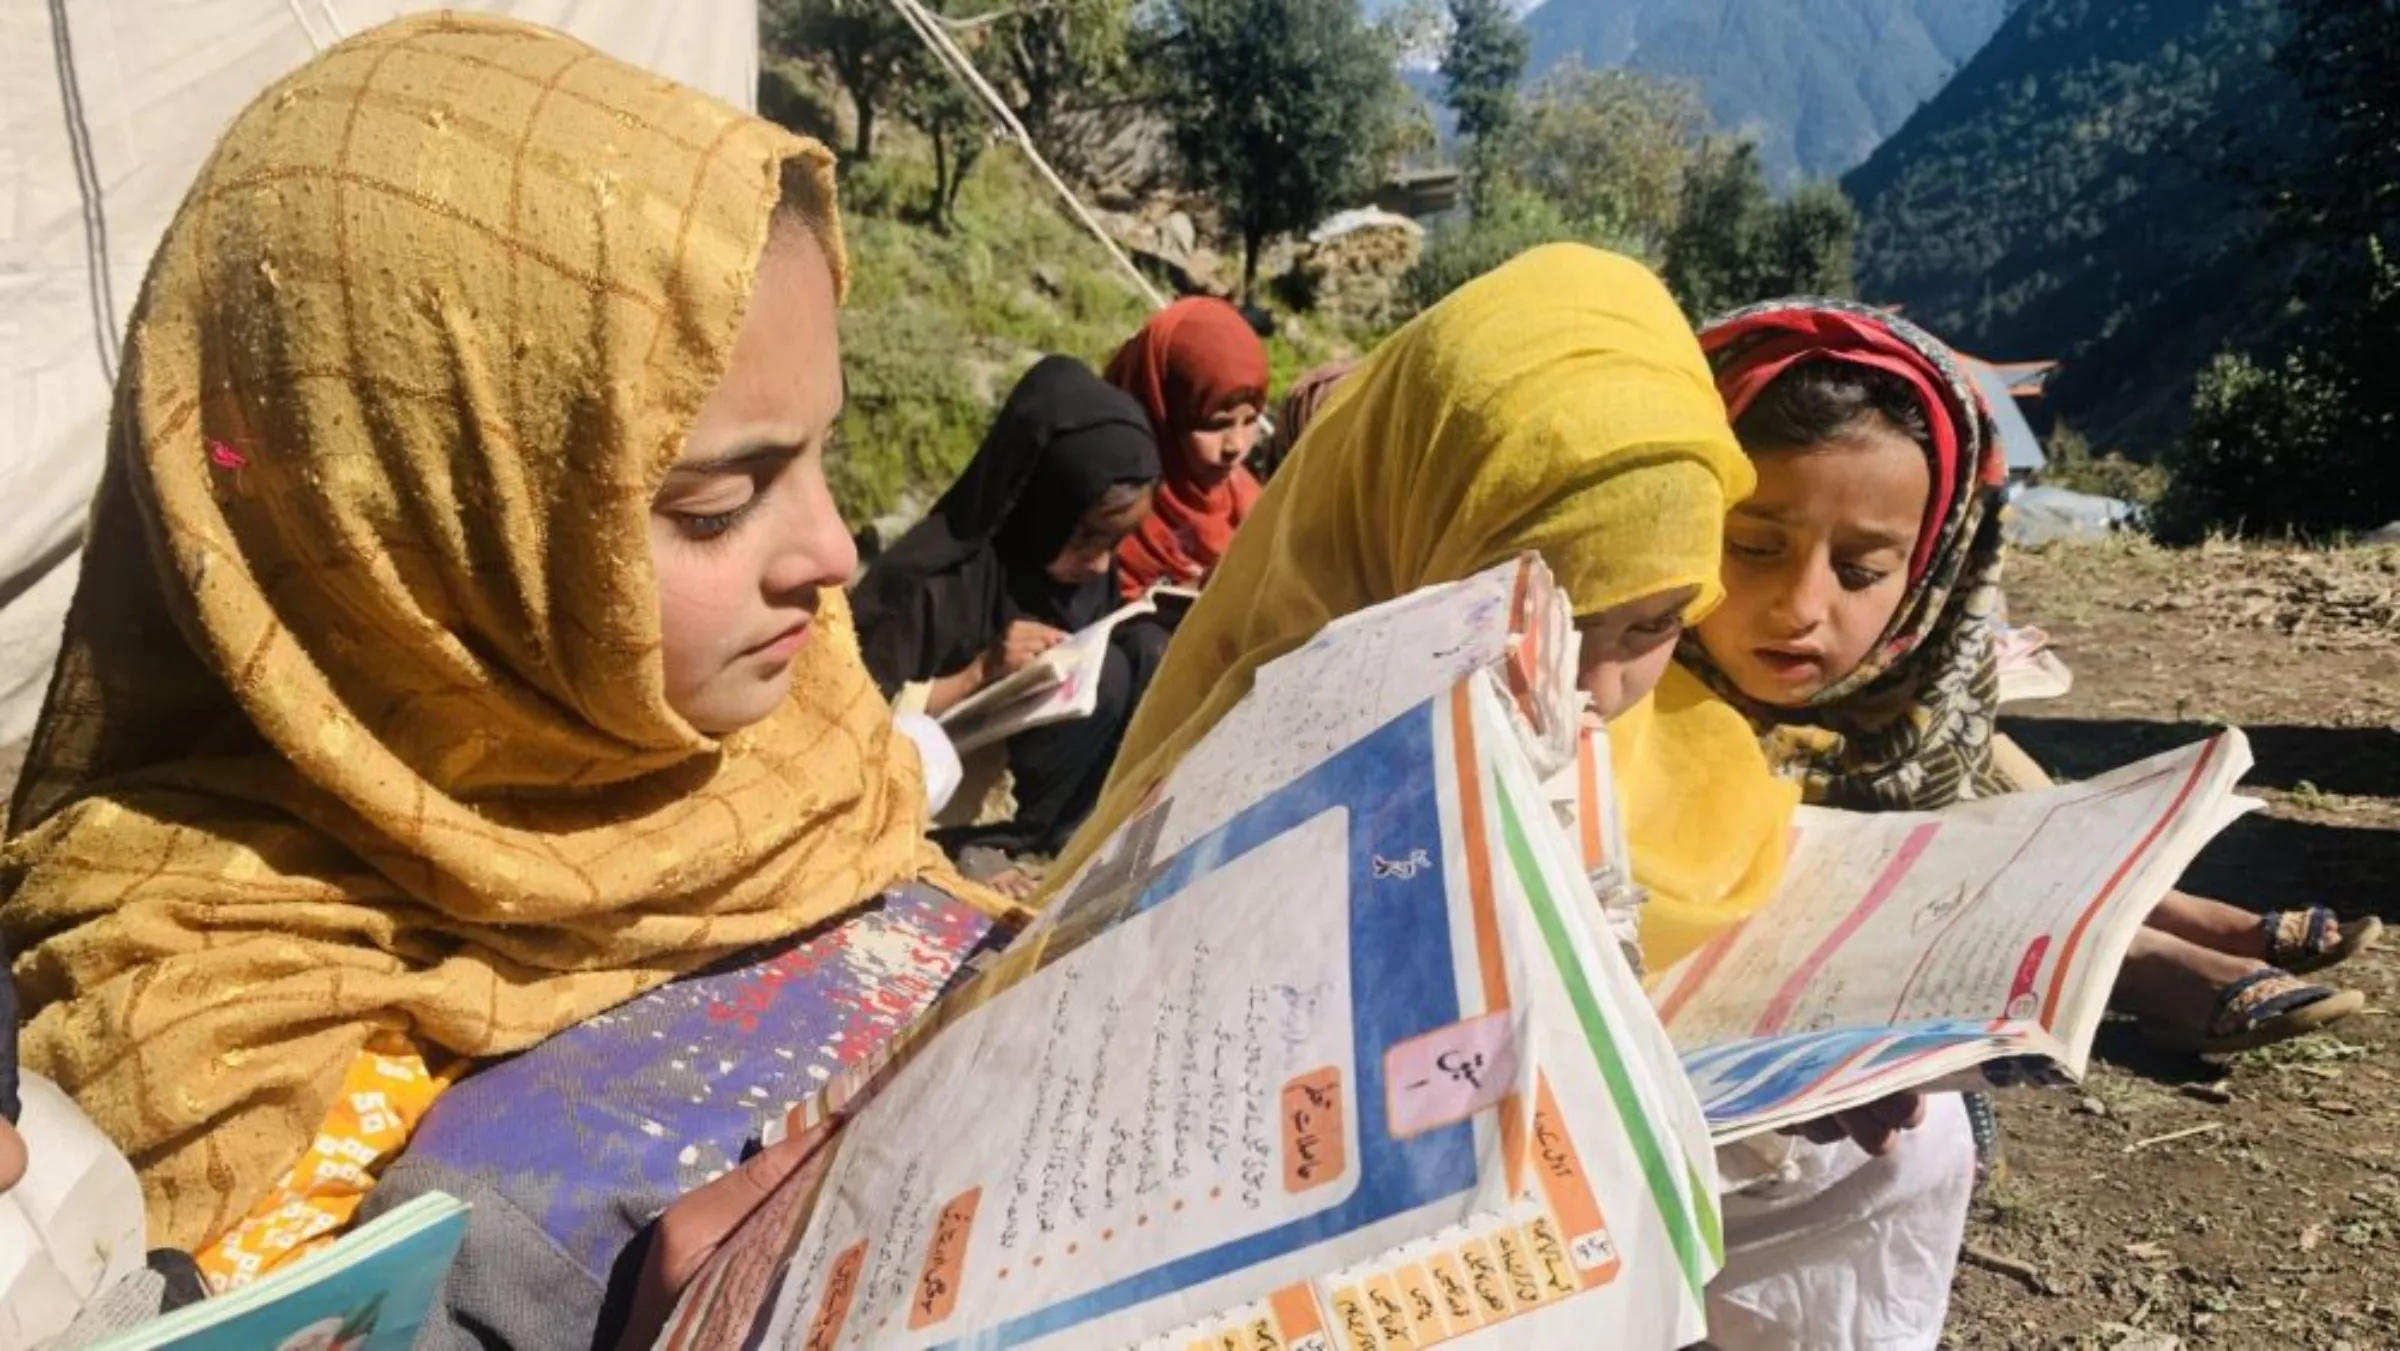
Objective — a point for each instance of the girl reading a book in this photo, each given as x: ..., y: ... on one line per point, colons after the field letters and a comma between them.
x: 1199, y: 372
x: 460, y: 652
x: 1862, y: 580
x: 1561, y: 405
x: 1016, y: 556
x: 1558, y: 405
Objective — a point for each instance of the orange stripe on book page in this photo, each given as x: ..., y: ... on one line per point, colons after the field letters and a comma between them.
x: 1482, y: 902
x: 1587, y: 813
x: 1513, y: 1141
x: 2066, y: 955
x: 1296, y: 1313
x: 1568, y: 1189
x: 1697, y: 973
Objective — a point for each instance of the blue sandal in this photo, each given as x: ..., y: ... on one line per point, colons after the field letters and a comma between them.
x: 2301, y: 941
x: 2261, y: 1009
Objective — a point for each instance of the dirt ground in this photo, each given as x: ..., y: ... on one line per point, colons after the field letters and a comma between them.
x: 2255, y: 1204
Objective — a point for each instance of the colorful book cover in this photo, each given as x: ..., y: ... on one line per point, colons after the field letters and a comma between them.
x: 596, y: 1129
x: 369, y: 1292
x: 1336, y: 1026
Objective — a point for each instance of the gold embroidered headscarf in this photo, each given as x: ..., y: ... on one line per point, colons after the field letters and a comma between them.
x: 1558, y: 404
x: 360, y: 722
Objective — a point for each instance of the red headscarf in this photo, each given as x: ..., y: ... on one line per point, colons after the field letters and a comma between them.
x: 1195, y: 358
x: 1750, y: 351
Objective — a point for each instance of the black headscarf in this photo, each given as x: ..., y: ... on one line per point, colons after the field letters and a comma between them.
x: 980, y: 558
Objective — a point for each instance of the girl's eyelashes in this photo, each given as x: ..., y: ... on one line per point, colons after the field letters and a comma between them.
x: 1752, y: 552
x: 1659, y: 627
x: 720, y: 516
x: 1857, y: 578
x: 714, y: 525
x: 754, y: 480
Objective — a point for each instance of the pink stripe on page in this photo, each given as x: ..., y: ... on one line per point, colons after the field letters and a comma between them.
x: 1771, y: 1021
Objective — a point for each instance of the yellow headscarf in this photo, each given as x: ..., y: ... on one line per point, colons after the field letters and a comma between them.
x: 360, y: 722
x: 1558, y: 404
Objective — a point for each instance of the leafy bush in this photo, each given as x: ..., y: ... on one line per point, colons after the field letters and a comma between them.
x: 2071, y: 464
x: 1733, y: 244
x: 1511, y: 222
x: 939, y: 324
x: 2301, y: 444
x: 2270, y: 451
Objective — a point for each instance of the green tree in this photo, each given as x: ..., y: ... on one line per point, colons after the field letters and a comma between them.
x: 2270, y: 450
x: 1733, y: 244
x: 1280, y: 110
x: 1510, y: 220
x: 1808, y: 243
x: 933, y: 101
x: 1051, y: 53
x: 2344, y: 56
x: 1607, y: 147
x: 1481, y: 65
x: 1720, y: 228
x: 2294, y: 435
x: 863, y: 44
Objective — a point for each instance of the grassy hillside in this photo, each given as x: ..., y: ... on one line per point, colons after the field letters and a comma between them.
x: 940, y: 323
x: 1819, y: 83
x: 2065, y: 196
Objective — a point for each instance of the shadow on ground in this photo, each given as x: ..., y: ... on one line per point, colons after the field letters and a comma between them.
x: 2351, y: 761
x: 2263, y: 862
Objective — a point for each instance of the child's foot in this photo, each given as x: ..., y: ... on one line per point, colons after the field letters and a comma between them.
x: 2296, y: 940
x: 2312, y: 939
x: 2261, y: 1009
x: 2192, y: 997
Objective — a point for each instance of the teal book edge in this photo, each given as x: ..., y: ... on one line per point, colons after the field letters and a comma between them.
x: 368, y: 1292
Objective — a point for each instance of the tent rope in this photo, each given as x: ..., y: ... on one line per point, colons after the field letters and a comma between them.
x: 101, y: 290
x: 929, y: 28
x: 300, y: 17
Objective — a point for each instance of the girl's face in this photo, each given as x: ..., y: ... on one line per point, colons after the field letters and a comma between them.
x: 1094, y: 544
x: 1816, y: 561
x: 1216, y: 444
x: 743, y: 534
x: 1626, y: 648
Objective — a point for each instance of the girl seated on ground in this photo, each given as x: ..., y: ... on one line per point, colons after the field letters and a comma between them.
x: 1861, y: 581
x: 460, y: 654
x: 1016, y: 556
x: 1199, y: 372
x: 1560, y: 405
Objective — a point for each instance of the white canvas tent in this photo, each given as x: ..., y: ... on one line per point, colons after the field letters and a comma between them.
x: 107, y: 110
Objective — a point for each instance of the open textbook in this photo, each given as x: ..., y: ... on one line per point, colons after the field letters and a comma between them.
x: 1325, y: 1050
x: 1334, y: 1044
x: 1060, y: 684
x: 1906, y: 948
